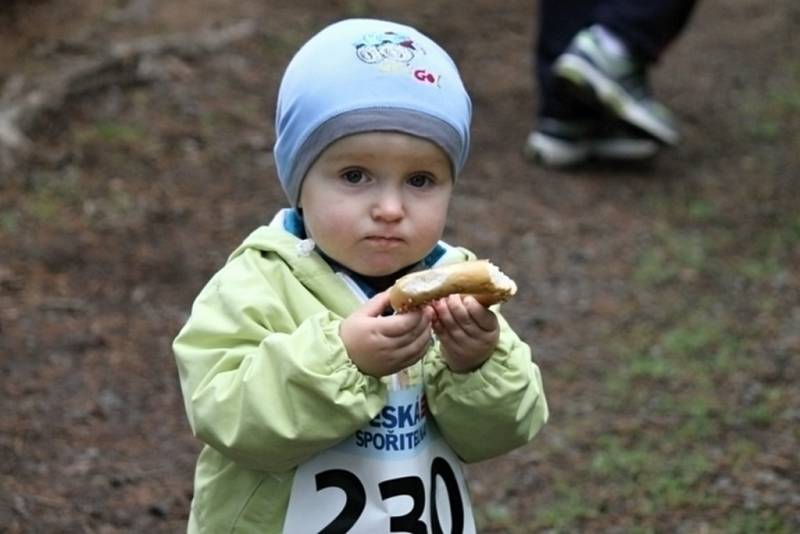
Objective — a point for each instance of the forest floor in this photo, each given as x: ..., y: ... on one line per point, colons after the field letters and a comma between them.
x: 663, y: 301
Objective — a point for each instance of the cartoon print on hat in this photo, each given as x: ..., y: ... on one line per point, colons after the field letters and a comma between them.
x: 394, y: 52
x: 386, y: 46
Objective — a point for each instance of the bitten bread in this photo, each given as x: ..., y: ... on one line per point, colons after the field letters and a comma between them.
x: 479, y: 278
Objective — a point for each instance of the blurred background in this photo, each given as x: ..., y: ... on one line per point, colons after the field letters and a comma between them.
x: 662, y: 301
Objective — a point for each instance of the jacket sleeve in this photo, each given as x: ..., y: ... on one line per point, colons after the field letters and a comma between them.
x: 504, y: 399
x: 263, y: 385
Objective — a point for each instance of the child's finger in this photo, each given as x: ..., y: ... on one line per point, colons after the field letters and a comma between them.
x: 459, y: 311
x: 444, y: 318
x: 461, y: 317
x: 447, y: 323
x: 481, y: 315
x: 375, y: 306
x: 419, y: 345
x: 405, y: 326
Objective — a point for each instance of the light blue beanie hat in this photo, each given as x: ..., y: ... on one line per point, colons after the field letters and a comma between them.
x: 364, y: 75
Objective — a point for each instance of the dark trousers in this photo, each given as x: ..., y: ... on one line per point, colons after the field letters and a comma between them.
x: 646, y: 26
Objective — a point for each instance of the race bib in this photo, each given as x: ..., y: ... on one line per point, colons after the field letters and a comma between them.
x: 397, y: 474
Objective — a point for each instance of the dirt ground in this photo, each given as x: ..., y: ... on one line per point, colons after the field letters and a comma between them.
x: 663, y: 301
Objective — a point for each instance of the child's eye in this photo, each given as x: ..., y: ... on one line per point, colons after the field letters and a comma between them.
x: 353, y: 176
x: 420, y: 180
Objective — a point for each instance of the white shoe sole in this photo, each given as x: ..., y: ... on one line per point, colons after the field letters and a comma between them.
x: 581, y: 72
x: 556, y: 153
x: 553, y: 152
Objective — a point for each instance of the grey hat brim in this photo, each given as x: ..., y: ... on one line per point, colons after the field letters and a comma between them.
x: 385, y: 119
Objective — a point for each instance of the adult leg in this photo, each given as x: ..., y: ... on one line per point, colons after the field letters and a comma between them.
x: 558, y: 22
x: 648, y: 27
x: 608, y: 61
x: 569, y: 130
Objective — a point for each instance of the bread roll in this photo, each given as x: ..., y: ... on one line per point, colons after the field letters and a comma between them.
x: 479, y: 278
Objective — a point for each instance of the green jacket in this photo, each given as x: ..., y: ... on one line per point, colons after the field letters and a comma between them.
x: 267, y: 383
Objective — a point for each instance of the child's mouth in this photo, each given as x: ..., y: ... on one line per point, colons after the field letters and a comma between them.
x: 384, y: 241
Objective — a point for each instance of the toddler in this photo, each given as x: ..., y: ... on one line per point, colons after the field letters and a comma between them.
x: 320, y: 410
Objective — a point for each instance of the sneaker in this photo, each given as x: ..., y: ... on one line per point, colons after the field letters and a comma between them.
x: 617, y: 82
x: 561, y: 143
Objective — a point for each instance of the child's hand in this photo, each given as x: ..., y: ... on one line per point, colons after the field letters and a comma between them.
x: 467, y: 331
x: 379, y: 345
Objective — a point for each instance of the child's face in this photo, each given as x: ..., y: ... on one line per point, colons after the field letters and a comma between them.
x: 377, y: 202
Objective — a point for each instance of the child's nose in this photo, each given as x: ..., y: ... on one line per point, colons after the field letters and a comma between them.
x: 388, y: 206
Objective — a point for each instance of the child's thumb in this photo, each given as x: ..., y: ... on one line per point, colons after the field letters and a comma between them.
x: 377, y: 305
